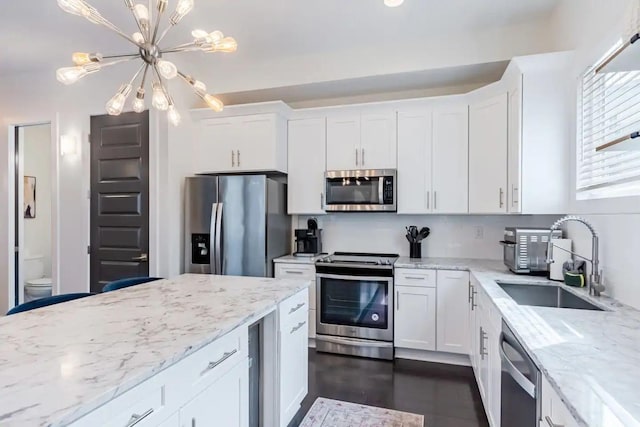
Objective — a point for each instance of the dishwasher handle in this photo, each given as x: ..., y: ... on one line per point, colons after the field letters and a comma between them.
x: 513, y: 371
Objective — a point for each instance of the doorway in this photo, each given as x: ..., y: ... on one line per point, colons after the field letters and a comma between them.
x: 119, y: 223
x: 33, y: 213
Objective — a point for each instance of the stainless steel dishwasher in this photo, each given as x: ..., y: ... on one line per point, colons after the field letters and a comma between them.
x: 520, y: 401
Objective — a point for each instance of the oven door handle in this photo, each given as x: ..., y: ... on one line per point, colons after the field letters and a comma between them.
x: 512, y: 370
x: 352, y: 341
x: 355, y: 278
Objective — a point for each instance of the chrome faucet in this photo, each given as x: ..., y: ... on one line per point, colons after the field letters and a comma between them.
x: 593, y: 283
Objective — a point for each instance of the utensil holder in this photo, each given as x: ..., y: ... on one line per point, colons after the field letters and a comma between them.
x: 415, y: 250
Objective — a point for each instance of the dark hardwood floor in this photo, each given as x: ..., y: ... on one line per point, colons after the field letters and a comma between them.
x: 446, y: 395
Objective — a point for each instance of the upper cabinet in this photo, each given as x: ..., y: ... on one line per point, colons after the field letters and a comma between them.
x: 432, y: 160
x: 307, y: 164
x: 251, y: 143
x: 361, y: 141
x: 488, y: 155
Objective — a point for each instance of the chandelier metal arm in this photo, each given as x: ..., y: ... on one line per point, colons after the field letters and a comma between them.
x: 164, y: 33
x: 187, y: 47
x: 108, y: 24
x: 162, y: 5
x: 144, y: 75
x: 124, y: 55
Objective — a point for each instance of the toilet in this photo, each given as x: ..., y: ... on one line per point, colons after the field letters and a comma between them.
x: 36, y: 286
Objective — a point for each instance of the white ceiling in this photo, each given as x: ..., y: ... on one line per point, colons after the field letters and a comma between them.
x: 37, y: 35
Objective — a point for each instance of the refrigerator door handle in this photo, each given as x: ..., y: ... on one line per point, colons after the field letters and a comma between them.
x: 212, y: 238
x: 218, y: 247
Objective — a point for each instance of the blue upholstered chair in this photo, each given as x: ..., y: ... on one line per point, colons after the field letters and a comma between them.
x: 125, y: 283
x: 44, y: 302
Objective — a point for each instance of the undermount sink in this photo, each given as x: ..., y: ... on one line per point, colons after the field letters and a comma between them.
x: 546, y: 296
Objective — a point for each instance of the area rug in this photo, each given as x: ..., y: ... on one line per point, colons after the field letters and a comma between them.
x: 335, y: 413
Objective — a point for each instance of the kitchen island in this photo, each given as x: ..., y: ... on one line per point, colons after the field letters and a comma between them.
x: 155, y: 354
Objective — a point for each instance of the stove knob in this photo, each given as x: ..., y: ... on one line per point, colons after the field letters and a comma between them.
x: 375, y: 317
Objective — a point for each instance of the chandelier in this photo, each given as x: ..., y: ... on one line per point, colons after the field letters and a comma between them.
x: 154, y: 67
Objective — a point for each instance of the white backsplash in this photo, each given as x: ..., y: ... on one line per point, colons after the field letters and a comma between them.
x: 457, y: 236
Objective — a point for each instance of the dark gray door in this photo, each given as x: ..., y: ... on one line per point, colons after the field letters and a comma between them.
x: 119, y: 198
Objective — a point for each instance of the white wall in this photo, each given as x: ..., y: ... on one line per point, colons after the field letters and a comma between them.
x: 455, y: 236
x: 591, y: 27
x: 36, y: 153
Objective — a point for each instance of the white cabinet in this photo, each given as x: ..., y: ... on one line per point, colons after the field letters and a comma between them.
x: 378, y: 141
x: 343, y: 142
x: 302, y: 272
x: 415, y: 309
x: 451, y: 159
x: 173, y: 421
x: 452, y: 312
x: 361, y: 141
x: 553, y: 411
x: 414, y: 162
x: 307, y: 165
x: 474, y: 347
x: 488, y: 155
x: 433, y: 160
x: 241, y: 144
x: 293, y: 350
x: 514, y: 147
x: 226, y: 401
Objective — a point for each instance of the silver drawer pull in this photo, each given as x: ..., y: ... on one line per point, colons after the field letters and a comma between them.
x: 414, y: 277
x: 551, y: 423
x: 296, y: 308
x: 294, y: 272
x: 213, y: 365
x: 135, y: 418
x: 300, y: 325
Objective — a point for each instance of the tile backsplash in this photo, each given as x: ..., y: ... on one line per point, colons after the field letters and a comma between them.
x: 456, y: 236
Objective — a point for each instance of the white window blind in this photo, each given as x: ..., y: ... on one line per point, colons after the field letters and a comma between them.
x: 609, y: 108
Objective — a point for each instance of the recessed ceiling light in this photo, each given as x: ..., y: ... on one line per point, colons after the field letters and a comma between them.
x: 393, y: 3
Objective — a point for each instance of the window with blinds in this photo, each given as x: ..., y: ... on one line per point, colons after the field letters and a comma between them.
x: 609, y: 108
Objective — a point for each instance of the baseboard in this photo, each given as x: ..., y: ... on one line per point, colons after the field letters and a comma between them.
x: 433, y: 356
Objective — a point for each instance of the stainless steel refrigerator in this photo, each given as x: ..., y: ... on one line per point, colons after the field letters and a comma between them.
x: 235, y: 225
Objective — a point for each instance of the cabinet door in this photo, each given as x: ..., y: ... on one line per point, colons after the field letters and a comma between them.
x: 474, y: 348
x: 415, y: 318
x: 453, y: 311
x: 378, y: 141
x: 214, y: 149
x: 495, y: 376
x: 515, y: 148
x: 488, y: 156
x: 343, y: 142
x: 294, y: 365
x: 451, y: 160
x: 307, y: 164
x: 414, y: 162
x: 483, y: 361
x: 224, y: 403
x: 256, y: 146
x: 173, y: 421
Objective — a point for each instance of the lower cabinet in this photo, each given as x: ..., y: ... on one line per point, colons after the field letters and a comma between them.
x: 553, y: 412
x: 415, y: 318
x: 226, y: 401
x: 302, y: 272
x: 294, y: 360
x: 453, y: 314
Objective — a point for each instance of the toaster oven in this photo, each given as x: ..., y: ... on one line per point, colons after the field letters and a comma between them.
x: 525, y: 249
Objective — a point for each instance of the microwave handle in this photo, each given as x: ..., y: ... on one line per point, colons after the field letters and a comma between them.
x: 509, y: 244
x: 381, y: 190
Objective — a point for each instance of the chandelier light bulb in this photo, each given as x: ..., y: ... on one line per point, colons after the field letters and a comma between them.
x: 227, y: 44
x: 81, y: 58
x: 199, y: 87
x: 159, y: 100
x: 167, y: 69
x: 138, y: 103
x: 393, y: 3
x: 138, y: 38
x: 199, y: 35
x: 116, y: 104
x: 182, y: 8
x: 141, y: 13
x: 74, y: 7
x: 70, y: 75
x: 173, y: 115
x: 214, y: 103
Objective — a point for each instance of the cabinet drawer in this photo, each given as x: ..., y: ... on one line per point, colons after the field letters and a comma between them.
x: 210, y: 363
x: 293, y: 306
x: 296, y: 271
x: 406, y: 277
x: 146, y: 403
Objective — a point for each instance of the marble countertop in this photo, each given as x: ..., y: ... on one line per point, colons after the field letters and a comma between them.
x: 590, y: 358
x: 58, y: 363
x: 292, y: 259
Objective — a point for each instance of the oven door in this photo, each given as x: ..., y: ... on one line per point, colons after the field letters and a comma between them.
x: 355, y: 306
x: 360, y: 190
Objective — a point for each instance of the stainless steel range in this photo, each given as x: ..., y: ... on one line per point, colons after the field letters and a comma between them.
x: 355, y: 304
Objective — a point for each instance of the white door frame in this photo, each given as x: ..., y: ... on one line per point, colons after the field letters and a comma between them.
x: 55, y: 210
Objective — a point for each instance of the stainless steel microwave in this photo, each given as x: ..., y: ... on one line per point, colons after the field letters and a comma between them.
x: 361, y: 191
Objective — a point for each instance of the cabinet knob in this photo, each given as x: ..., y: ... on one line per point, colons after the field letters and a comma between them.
x: 356, y: 157
x: 501, y: 198
x: 233, y: 159
x: 136, y: 418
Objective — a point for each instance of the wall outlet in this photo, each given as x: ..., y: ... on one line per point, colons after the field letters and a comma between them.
x: 479, y: 232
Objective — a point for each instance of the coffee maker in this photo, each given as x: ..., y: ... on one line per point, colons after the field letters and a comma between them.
x: 309, y: 240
